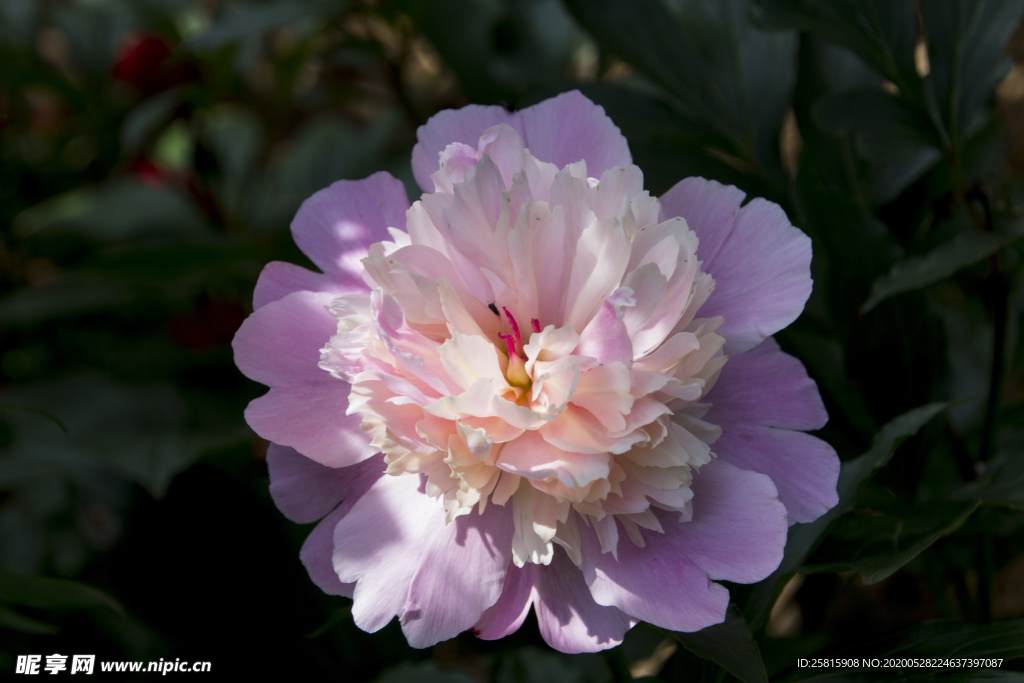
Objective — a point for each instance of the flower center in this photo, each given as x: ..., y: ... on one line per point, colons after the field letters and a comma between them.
x: 516, y: 373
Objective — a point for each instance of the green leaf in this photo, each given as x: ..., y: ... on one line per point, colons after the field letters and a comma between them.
x: 255, y: 19
x: 875, y: 545
x: 35, y: 411
x: 114, y: 211
x: 667, y: 144
x: 965, y: 48
x: 965, y: 249
x: 724, y: 71
x: 69, y: 294
x: 730, y: 645
x: 882, y: 32
x: 1003, y: 485
x: 145, y: 434
x: 143, y: 121
x: 896, y: 138
x: 803, y: 537
x: 47, y: 593
x: 13, y: 621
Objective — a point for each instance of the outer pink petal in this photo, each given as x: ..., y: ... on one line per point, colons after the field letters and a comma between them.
x: 279, y: 345
x: 760, y: 262
x: 737, y: 533
x: 304, y: 490
x: 336, y: 226
x: 658, y: 584
x: 509, y: 612
x: 318, y: 550
x: 767, y: 387
x: 739, y: 526
x: 569, y: 619
x: 279, y: 279
x: 317, y: 556
x: 761, y: 395
x: 562, y: 130
x: 464, y: 125
x: 804, y: 468
x: 568, y: 128
x: 437, y: 578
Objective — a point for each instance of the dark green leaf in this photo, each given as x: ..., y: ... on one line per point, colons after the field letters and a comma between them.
x: 803, y: 537
x: 44, y: 592
x: 249, y: 21
x: 115, y: 211
x: 142, y: 433
x: 965, y: 45
x: 35, y: 411
x: 13, y: 621
x: 882, y: 32
x: 724, y: 71
x: 143, y: 121
x: 964, y: 250
x: 876, y: 544
x: 730, y: 645
x: 1004, y: 485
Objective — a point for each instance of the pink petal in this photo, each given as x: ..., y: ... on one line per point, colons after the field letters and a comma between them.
x: 738, y: 533
x: 318, y: 550
x: 739, y: 526
x: 305, y: 490
x: 767, y: 387
x: 317, y: 556
x: 278, y: 279
x: 530, y: 456
x: 464, y: 125
x: 509, y: 612
x: 569, y: 619
x: 804, y: 468
x: 336, y: 226
x: 605, y: 338
x: 312, y: 420
x: 569, y: 128
x: 760, y: 396
x: 760, y: 262
x: 658, y: 584
x: 279, y: 345
x: 437, y: 578
x: 561, y: 130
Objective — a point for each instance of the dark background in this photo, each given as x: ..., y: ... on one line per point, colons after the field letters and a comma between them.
x: 153, y: 152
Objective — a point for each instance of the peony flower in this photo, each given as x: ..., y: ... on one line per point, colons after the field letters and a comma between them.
x: 538, y: 386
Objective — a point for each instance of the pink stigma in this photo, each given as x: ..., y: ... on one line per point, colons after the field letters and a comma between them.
x: 509, y: 343
x: 515, y: 327
x: 536, y: 324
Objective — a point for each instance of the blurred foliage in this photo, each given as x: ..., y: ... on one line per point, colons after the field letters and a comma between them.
x: 153, y: 152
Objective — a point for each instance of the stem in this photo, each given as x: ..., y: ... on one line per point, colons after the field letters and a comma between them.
x: 998, y: 294
x: 985, y: 561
